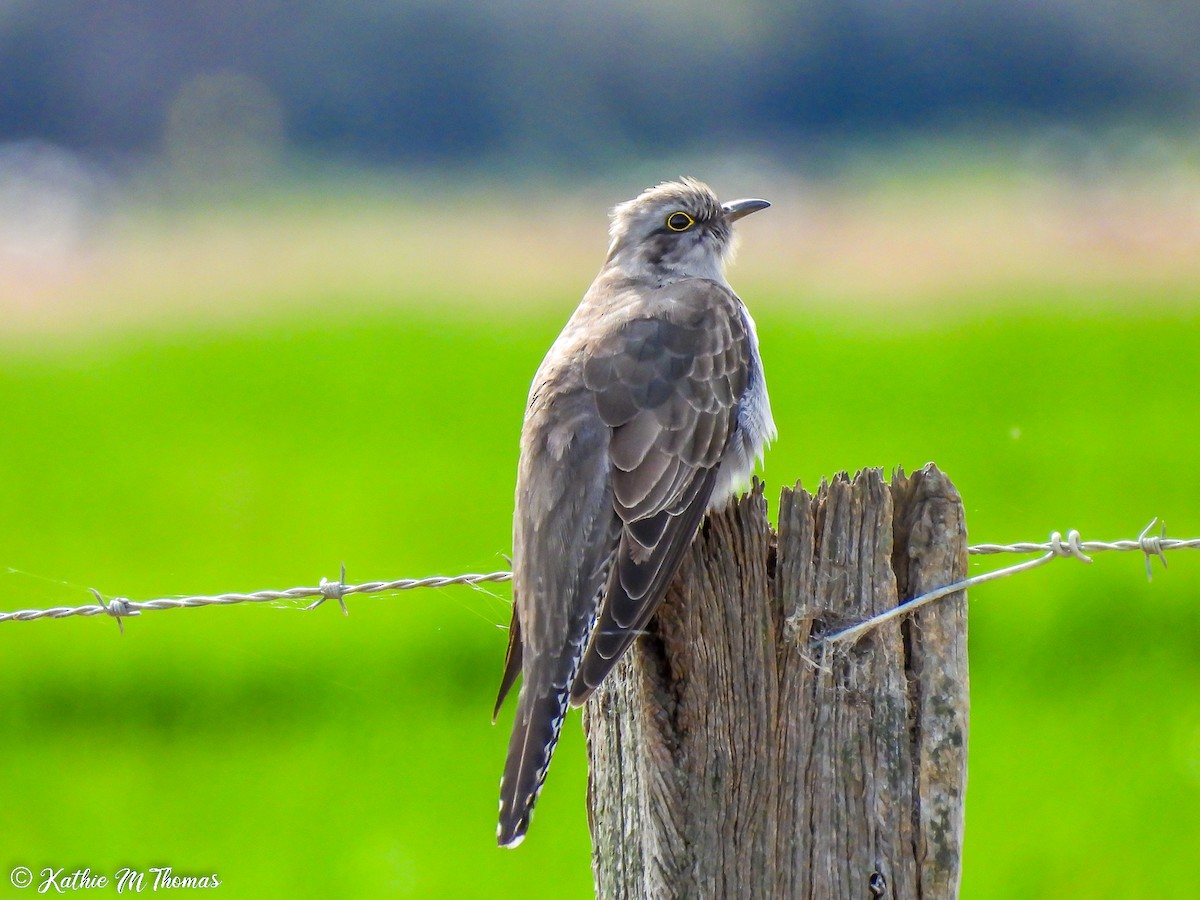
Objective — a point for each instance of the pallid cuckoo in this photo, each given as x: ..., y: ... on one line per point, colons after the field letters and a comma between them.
x: 649, y: 409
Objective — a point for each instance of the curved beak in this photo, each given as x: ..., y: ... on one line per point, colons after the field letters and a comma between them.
x: 736, y: 209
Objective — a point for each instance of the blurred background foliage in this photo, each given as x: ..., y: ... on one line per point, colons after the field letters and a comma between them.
x: 274, y: 279
x: 573, y: 85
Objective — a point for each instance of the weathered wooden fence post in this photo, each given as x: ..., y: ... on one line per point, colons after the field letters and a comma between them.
x: 731, y: 758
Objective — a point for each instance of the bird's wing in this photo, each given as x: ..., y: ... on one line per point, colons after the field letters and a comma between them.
x: 564, y: 536
x: 668, y: 384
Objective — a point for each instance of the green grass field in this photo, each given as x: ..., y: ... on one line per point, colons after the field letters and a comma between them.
x: 310, y: 755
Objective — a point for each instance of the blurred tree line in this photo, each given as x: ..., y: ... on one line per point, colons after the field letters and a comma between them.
x: 464, y: 81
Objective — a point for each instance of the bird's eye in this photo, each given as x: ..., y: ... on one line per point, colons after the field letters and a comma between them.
x: 680, y: 221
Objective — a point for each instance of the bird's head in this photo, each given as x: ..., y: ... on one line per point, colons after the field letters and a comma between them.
x: 678, y: 229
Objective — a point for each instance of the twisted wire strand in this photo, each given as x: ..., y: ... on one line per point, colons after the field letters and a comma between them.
x: 1150, y: 545
x: 1154, y: 545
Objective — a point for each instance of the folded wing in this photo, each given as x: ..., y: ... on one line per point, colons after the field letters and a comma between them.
x: 668, y: 384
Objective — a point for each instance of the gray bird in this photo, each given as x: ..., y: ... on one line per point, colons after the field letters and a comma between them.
x: 649, y: 409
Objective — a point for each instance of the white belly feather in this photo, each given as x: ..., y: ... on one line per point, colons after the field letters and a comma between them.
x: 755, y: 428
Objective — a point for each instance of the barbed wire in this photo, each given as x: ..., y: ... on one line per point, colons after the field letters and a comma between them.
x: 119, y: 608
x: 1150, y: 545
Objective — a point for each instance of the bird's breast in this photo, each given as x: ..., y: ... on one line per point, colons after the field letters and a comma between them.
x: 754, y: 426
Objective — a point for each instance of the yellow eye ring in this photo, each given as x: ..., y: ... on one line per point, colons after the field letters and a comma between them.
x: 680, y: 221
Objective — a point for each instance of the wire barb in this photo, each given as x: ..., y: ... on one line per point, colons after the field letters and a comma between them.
x: 118, y: 607
x: 1151, y: 545
x: 332, y: 590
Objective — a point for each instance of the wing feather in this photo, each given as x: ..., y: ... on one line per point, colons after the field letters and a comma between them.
x: 632, y: 441
x: 668, y: 384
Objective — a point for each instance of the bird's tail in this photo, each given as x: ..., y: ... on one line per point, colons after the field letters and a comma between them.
x: 535, y: 733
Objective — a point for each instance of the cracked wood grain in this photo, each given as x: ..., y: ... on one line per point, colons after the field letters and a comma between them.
x: 729, y: 758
